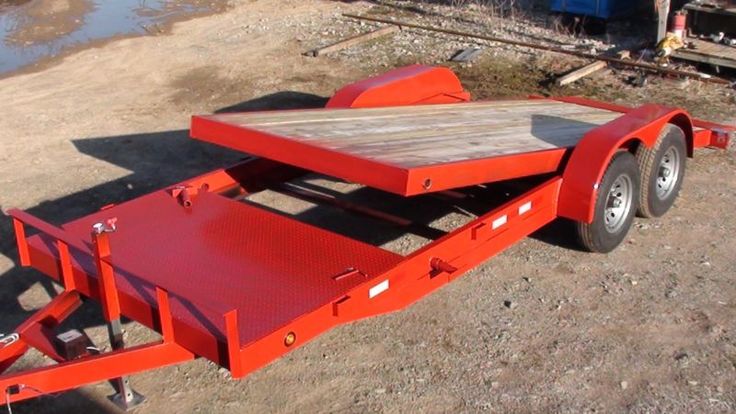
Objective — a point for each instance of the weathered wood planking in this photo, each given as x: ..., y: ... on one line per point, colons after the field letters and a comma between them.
x: 413, y: 136
x: 708, y: 52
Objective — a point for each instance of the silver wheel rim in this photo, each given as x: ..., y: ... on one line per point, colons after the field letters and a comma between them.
x: 618, y: 203
x: 668, y: 172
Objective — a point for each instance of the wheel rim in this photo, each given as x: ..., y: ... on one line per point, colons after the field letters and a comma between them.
x: 668, y: 173
x: 618, y: 203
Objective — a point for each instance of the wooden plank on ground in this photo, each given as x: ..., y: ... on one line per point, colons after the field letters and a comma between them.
x: 581, y: 73
x: 352, y: 41
x: 466, y: 55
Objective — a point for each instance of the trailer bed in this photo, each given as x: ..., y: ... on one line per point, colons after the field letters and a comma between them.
x: 413, y: 149
x: 229, y: 256
x: 223, y: 278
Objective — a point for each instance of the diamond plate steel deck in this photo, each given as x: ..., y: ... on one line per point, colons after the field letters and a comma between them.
x: 221, y: 255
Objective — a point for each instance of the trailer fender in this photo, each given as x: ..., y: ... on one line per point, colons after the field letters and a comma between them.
x: 590, y: 158
x: 683, y: 121
x: 410, y: 85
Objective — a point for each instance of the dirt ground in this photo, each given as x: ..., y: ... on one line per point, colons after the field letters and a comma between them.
x: 650, y: 327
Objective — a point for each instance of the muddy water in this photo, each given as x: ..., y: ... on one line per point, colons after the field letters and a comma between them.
x: 35, y: 30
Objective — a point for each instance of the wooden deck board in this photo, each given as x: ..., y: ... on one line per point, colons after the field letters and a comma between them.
x: 415, y: 136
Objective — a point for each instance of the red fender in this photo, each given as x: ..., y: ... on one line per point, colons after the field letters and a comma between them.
x: 410, y: 85
x: 591, y: 156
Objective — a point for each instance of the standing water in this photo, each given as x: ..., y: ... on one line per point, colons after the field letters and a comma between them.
x: 33, y: 30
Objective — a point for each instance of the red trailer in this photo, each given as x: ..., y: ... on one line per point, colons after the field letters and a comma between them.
x: 228, y: 280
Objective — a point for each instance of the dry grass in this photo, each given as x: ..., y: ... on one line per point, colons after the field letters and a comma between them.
x: 512, y: 9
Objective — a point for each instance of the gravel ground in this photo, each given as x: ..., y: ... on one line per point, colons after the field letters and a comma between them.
x: 542, y: 327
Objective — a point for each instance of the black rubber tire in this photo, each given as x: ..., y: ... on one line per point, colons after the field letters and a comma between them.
x: 595, y: 236
x: 649, y: 159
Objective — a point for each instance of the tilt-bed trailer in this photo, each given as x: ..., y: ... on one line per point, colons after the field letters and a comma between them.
x: 239, y: 285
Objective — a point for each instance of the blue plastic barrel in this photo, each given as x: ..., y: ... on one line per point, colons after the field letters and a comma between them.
x: 604, y: 9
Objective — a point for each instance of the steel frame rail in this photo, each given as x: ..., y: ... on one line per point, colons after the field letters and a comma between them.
x: 419, y: 274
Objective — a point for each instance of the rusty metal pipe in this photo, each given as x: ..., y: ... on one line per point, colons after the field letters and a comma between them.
x: 640, y: 65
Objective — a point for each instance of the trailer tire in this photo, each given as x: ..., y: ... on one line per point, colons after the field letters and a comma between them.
x: 662, y: 169
x: 615, y: 206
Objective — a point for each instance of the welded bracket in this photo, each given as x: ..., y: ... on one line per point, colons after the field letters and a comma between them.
x: 31, y: 333
x: 721, y: 137
x: 182, y: 194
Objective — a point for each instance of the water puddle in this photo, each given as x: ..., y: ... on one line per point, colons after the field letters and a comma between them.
x: 34, y: 30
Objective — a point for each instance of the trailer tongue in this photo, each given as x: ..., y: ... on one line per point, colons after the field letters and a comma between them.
x: 241, y: 286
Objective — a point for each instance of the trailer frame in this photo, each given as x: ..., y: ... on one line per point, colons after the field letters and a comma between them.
x: 82, y: 255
